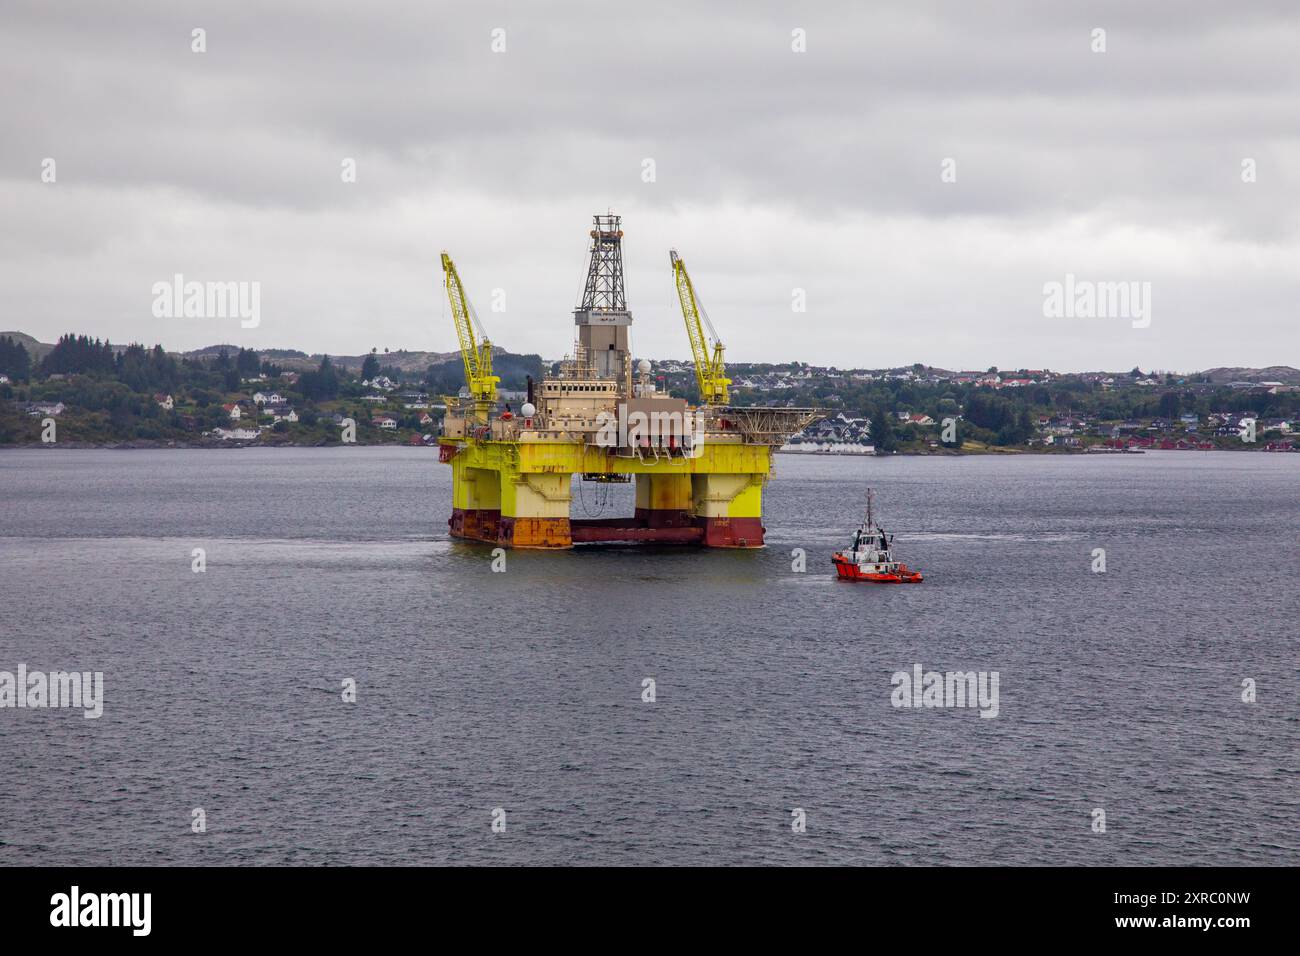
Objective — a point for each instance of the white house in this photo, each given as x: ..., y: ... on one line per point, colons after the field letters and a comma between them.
x: 235, y: 434
x: 45, y: 408
x: 267, y: 398
x: 233, y: 411
x: 280, y: 413
x: 384, y: 422
x: 164, y: 401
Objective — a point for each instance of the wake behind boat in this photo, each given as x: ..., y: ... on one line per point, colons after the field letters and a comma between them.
x: 871, y: 558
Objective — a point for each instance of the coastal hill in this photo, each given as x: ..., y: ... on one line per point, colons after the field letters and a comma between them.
x: 102, y: 393
x: 1274, y: 373
x: 406, y: 361
x: 403, y: 360
x: 416, y: 362
x: 35, y: 348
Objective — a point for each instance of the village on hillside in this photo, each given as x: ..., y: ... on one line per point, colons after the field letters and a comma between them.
x: 101, y: 394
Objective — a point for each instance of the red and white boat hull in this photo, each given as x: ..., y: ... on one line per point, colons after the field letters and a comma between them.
x: 850, y: 570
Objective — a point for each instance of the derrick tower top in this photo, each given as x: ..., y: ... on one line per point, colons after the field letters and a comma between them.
x: 602, y: 317
x: 604, y: 293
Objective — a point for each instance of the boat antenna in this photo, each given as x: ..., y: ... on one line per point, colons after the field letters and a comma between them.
x: 871, y: 497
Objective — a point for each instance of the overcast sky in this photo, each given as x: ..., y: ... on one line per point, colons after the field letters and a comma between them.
x: 775, y: 170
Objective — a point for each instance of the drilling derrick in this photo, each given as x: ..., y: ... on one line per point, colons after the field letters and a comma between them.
x: 699, y: 472
x: 602, y: 317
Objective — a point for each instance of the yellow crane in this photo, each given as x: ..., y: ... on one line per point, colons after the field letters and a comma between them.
x: 477, y: 355
x: 710, y: 373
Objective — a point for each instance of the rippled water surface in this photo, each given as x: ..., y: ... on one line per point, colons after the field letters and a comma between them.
x: 522, y: 690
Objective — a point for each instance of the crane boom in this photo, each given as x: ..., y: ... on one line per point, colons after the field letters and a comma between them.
x: 710, y: 372
x: 476, y: 355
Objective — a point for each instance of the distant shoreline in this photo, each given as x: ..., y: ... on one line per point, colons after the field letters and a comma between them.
x: 144, y: 444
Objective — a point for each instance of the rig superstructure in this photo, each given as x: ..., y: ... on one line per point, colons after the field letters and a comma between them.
x: 699, y: 471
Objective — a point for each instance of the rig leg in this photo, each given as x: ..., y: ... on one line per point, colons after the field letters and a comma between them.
x: 476, y: 503
x: 730, y: 509
x: 664, y: 501
x: 535, y: 510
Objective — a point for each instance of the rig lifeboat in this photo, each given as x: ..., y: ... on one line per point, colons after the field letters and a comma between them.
x: 871, y: 558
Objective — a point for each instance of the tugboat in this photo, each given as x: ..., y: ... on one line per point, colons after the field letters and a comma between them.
x: 870, y: 558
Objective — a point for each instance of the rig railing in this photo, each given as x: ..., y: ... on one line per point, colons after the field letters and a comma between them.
x: 764, y: 425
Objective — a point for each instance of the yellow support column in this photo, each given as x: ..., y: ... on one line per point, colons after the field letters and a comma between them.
x: 730, y: 509
x: 664, y: 500
x: 476, y: 502
x: 535, y: 510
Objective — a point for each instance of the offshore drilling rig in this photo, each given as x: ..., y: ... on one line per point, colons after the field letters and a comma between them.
x: 699, y: 471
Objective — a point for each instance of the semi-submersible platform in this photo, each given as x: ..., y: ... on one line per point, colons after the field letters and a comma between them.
x: 699, y: 470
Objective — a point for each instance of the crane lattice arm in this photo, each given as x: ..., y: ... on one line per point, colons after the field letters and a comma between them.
x: 476, y: 355
x: 710, y: 372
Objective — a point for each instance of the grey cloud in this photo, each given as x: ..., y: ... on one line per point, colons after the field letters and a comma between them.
x: 155, y: 141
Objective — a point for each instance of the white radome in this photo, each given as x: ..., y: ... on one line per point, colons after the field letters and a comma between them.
x: 643, y: 367
x: 528, y: 409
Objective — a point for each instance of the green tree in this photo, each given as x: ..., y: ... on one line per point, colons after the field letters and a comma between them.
x: 1024, y: 425
x: 79, y: 354
x: 14, y: 359
x: 247, y: 363
x: 882, y: 429
x: 322, y: 384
